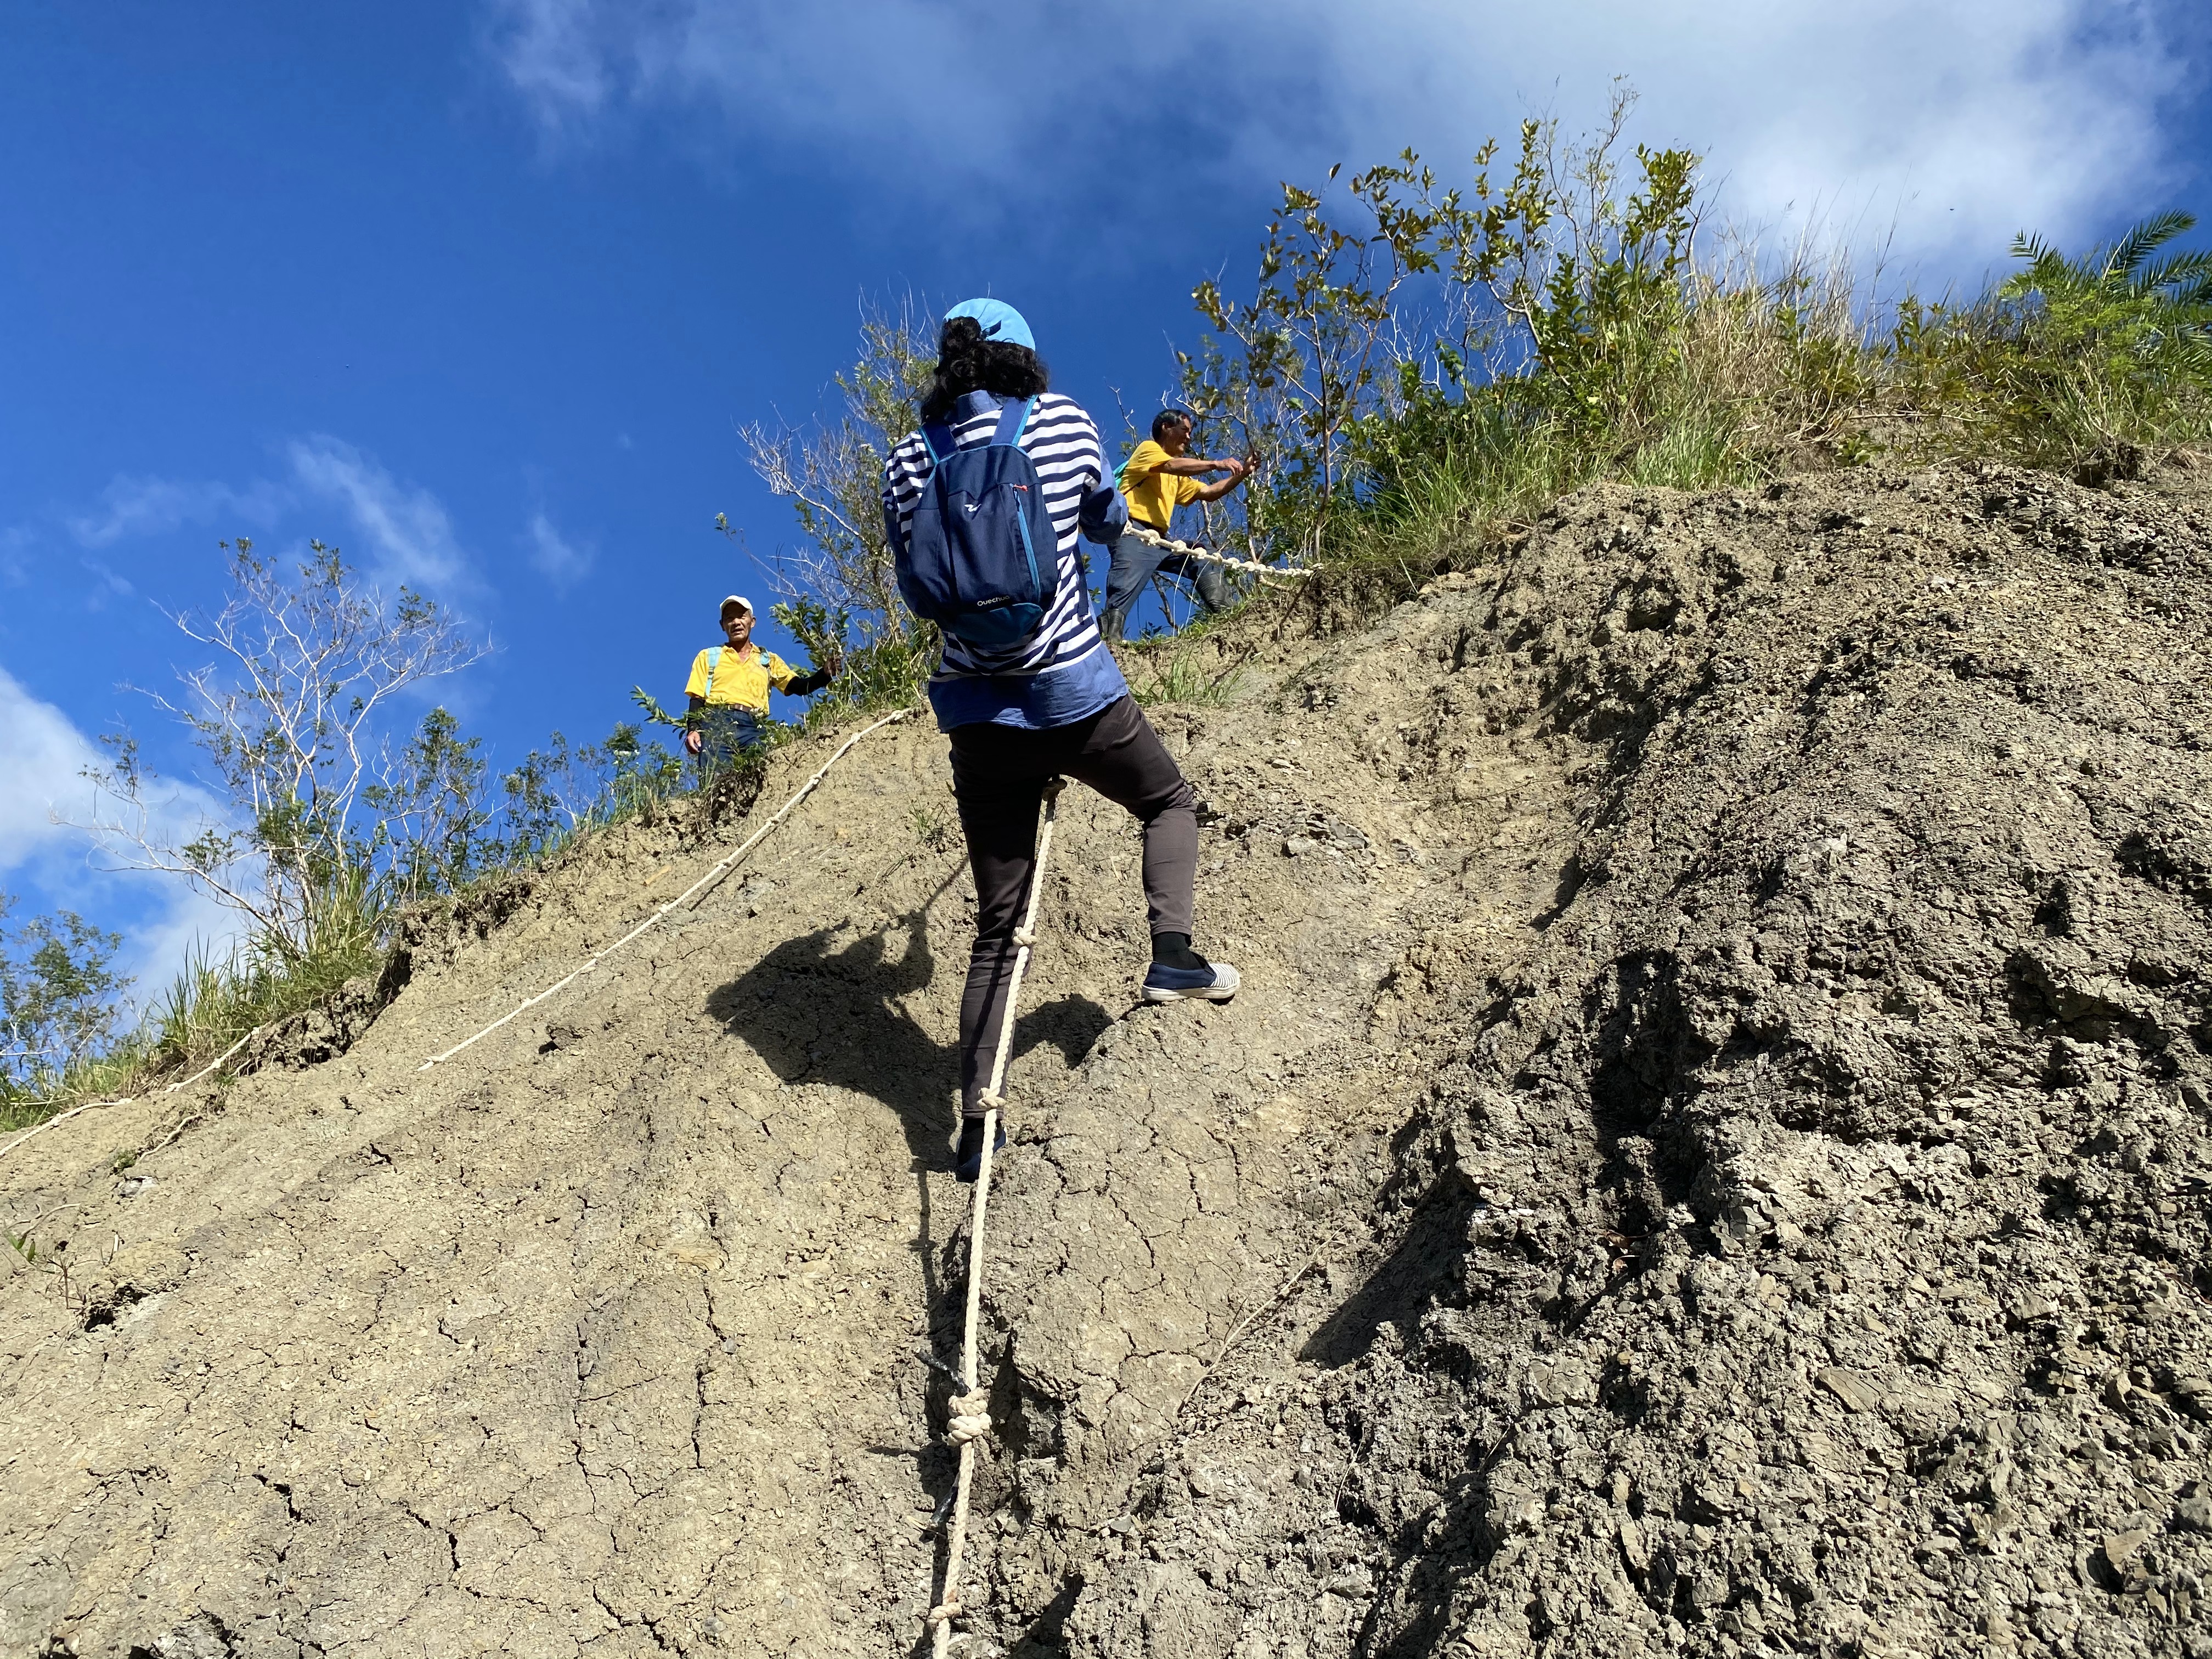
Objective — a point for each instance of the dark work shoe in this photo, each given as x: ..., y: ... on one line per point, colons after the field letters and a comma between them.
x: 969, y: 1161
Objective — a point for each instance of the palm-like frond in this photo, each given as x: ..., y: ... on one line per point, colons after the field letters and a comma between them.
x: 2145, y: 239
x: 2118, y: 271
x: 2188, y: 275
x: 2047, y: 269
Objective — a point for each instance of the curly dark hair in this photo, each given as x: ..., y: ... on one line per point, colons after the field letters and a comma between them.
x: 966, y: 362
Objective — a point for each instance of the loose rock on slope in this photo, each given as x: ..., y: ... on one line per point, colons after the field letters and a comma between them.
x: 1713, y: 1158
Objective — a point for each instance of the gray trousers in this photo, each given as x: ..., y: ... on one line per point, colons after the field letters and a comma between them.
x: 999, y: 774
x: 1133, y: 564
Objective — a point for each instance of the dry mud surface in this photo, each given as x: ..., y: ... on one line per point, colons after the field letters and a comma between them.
x: 1712, y: 1158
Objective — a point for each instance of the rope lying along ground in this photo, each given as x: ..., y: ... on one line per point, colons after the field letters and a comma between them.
x: 697, y: 891
x: 1152, y: 538
x: 125, y: 1100
x: 692, y: 895
x: 970, y: 1407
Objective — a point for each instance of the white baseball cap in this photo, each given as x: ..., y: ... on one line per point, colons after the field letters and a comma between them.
x: 737, y: 602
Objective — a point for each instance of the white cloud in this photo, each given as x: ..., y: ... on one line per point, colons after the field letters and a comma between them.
x: 130, y: 507
x: 563, y: 562
x: 410, y: 538
x: 404, y: 532
x: 549, y: 52
x: 44, y: 758
x: 1965, y: 121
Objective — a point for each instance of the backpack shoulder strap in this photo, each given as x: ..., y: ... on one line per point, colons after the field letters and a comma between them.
x: 714, y: 661
x: 1014, y: 421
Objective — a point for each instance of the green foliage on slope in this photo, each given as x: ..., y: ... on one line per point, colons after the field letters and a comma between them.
x: 1424, y: 367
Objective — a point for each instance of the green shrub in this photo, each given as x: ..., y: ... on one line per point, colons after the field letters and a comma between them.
x: 60, y: 1008
x: 1435, y: 373
x: 2075, y: 364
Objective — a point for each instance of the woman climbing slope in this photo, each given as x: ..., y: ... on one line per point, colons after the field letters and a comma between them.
x: 986, y: 508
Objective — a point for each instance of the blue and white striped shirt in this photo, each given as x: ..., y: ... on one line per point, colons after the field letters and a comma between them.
x: 1061, y: 672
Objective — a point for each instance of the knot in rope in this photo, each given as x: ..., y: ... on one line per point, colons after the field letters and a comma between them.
x: 1153, y: 539
x: 969, y: 1417
x: 944, y: 1612
x: 1024, y: 936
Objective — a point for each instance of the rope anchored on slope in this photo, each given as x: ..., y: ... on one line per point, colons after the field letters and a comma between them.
x: 693, y: 896
x: 970, y: 1408
x: 212, y: 1066
x: 1152, y: 538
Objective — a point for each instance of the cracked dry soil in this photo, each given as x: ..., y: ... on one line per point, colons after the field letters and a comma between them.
x: 1712, y: 1158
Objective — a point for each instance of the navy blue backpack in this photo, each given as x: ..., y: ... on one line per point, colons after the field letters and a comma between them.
x: 981, y: 560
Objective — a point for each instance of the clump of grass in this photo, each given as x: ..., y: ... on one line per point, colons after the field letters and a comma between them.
x: 1173, y: 673
x: 2082, y: 365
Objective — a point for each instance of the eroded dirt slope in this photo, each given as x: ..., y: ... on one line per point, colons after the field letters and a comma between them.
x: 1712, y: 1158
x: 1803, y: 1249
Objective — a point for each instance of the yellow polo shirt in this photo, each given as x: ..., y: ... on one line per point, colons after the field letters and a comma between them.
x: 1152, y: 495
x: 729, y: 679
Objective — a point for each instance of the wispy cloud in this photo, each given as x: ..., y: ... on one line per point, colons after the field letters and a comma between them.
x: 1966, y: 120
x: 107, y: 584
x: 399, y: 531
x: 130, y: 507
x: 561, y: 561
x: 557, y: 57
x: 408, y: 536
x: 43, y: 756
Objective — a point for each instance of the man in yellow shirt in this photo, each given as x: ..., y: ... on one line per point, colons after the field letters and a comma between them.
x: 1160, y: 475
x: 729, y: 686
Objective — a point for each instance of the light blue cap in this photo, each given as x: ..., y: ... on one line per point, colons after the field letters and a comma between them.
x: 1000, y: 321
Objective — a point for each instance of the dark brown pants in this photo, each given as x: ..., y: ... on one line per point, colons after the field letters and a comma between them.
x: 999, y: 774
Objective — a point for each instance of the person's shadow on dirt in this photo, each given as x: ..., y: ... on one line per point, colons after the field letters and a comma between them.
x: 817, y: 1012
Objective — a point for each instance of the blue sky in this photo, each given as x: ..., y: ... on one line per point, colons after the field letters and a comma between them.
x: 481, y: 291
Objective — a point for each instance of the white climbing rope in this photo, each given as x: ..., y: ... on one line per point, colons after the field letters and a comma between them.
x: 970, y: 1407
x: 1145, y: 533
x: 125, y: 1100
x: 692, y: 895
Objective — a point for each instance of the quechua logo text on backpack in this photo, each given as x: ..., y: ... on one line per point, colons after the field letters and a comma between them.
x: 980, y: 559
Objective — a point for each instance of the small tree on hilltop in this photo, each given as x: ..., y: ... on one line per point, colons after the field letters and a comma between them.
x: 59, y: 998
x: 330, y: 820
x: 840, y: 585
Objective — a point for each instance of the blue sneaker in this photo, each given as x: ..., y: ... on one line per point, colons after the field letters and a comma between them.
x: 968, y: 1160
x: 1210, y: 982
